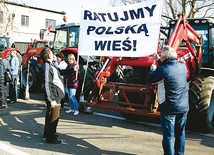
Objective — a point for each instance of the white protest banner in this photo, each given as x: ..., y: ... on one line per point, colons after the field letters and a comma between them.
x: 127, y: 31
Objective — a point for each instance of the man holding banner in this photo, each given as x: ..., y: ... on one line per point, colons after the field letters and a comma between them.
x: 130, y: 31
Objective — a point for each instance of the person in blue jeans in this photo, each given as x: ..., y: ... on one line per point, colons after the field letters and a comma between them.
x: 14, y: 66
x: 71, y: 84
x: 175, y: 106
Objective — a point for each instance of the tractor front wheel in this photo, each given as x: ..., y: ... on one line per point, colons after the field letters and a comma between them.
x: 201, y: 100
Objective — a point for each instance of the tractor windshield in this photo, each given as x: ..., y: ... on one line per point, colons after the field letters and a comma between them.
x: 60, y: 39
x: 74, y: 36
x: 66, y: 37
x: 4, y: 43
x: 202, y: 30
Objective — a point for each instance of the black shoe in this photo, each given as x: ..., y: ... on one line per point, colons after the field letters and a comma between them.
x: 2, y: 106
x: 5, y: 105
x: 55, y: 141
x: 11, y: 102
x: 55, y: 135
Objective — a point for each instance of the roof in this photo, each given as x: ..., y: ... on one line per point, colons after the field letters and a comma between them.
x: 204, y: 21
x: 65, y: 25
x: 31, y: 7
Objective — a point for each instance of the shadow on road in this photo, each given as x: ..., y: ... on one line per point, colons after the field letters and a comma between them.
x: 22, y: 125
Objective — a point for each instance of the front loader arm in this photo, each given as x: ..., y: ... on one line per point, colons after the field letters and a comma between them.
x: 192, y: 55
x: 184, y: 32
x: 107, y: 70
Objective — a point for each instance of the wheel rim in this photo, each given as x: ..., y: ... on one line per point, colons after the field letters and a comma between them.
x: 24, y: 78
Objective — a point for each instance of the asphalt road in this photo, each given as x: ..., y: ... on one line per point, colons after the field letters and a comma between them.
x: 101, y: 133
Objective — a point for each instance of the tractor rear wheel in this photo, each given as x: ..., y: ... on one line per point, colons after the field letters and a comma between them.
x: 201, y: 100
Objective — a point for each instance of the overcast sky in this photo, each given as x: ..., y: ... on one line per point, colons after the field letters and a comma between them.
x: 71, y: 7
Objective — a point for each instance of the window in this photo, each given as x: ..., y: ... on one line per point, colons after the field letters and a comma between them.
x: 25, y: 20
x: 50, y: 22
x: 1, y: 17
x: 74, y: 36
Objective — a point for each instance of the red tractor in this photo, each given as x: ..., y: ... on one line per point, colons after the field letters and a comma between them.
x: 193, y: 40
x: 66, y: 37
x: 6, y: 48
x: 31, y: 65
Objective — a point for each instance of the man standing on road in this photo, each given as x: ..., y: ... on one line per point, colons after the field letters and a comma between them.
x: 175, y: 107
x: 53, y: 93
x: 14, y: 67
x: 4, y: 65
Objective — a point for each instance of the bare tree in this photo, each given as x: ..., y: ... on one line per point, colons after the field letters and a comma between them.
x: 171, y: 8
x: 123, y: 2
x: 6, y: 18
x: 191, y: 8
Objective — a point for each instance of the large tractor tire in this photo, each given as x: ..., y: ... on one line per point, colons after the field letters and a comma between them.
x: 118, y: 75
x: 138, y: 98
x: 34, y: 82
x: 201, y: 100
x: 133, y: 78
x: 88, y: 83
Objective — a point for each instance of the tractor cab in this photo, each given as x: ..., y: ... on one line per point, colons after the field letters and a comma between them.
x: 40, y: 43
x: 205, y: 28
x: 66, y: 40
x: 4, y: 43
x: 67, y: 36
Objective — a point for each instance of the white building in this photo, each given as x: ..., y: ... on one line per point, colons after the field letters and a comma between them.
x: 23, y: 23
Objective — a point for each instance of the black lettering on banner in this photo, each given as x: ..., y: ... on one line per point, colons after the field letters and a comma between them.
x: 116, y: 45
x: 102, y: 16
x: 96, y: 17
x: 143, y: 28
x: 90, y: 28
x: 150, y: 10
x: 100, y: 30
x: 119, y: 30
x: 130, y: 29
x: 127, y: 45
x: 138, y: 14
x: 87, y: 15
x: 114, y: 16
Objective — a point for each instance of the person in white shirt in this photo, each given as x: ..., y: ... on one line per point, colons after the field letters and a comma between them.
x: 61, y: 64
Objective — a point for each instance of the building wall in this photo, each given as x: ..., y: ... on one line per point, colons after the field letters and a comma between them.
x: 37, y: 20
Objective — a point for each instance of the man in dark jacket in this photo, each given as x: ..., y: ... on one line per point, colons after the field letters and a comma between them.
x: 14, y: 67
x: 4, y: 65
x: 53, y: 93
x: 175, y: 107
